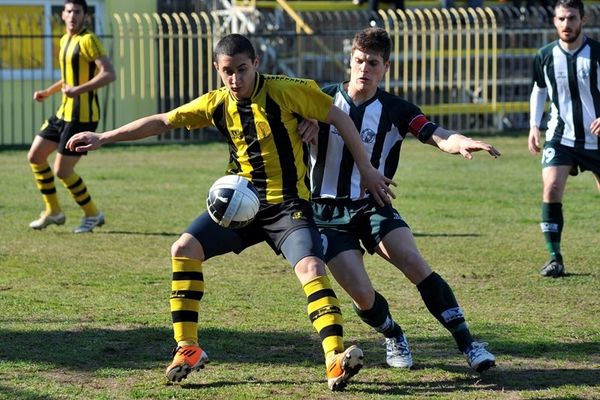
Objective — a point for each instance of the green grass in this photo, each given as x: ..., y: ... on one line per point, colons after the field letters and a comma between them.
x: 87, y: 316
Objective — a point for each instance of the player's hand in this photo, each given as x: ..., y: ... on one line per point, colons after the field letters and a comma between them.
x: 70, y: 91
x: 533, y: 141
x: 595, y: 127
x: 84, y: 141
x: 468, y: 146
x: 309, y: 131
x: 378, y: 185
x: 40, y: 95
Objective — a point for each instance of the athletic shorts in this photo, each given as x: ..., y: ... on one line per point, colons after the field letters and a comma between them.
x: 555, y: 154
x: 60, y: 131
x: 345, y: 224
x: 273, y: 224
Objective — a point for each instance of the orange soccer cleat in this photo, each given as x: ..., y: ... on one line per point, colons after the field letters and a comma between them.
x: 186, y: 359
x: 343, y: 367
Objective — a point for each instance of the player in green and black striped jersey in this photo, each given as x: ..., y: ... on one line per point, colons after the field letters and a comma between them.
x: 567, y: 71
x: 84, y: 68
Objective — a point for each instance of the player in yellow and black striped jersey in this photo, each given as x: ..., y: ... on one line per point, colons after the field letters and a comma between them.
x: 84, y: 68
x: 258, y: 115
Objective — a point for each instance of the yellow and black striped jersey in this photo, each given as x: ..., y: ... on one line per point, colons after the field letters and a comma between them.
x: 264, y: 145
x: 77, y: 66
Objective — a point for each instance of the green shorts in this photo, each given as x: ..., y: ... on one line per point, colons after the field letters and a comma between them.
x: 555, y: 154
x: 346, y: 224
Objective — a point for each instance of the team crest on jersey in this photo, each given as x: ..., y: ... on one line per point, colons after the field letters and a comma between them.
x: 297, y: 215
x: 367, y: 135
x: 262, y: 129
x: 334, y: 131
x: 584, y: 73
x: 236, y: 134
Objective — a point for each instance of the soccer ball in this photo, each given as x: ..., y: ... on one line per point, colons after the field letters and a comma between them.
x: 232, y: 201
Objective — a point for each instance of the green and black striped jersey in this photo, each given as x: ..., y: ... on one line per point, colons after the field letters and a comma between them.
x: 571, y: 81
x: 77, y: 65
x: 264, y: 144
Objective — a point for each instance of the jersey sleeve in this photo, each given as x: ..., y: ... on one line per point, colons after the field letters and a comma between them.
x: 409, y: 118
x: 92, y: 47
x: 538, y: 71
x: 195, y: 114
x: 305, y: 98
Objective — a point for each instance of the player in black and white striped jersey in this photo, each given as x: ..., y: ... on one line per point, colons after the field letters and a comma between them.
x: 349, y: 223
x: 567, y: 72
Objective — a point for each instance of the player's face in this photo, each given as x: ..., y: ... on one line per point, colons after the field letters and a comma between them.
x: 74, y: 17
x: 568, y: 23
x: 366, y: 71
x: 238, y: 74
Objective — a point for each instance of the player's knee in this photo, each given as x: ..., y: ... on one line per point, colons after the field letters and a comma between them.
x: 309, y: 268
x: 363, y: 299
x: 187, y: 246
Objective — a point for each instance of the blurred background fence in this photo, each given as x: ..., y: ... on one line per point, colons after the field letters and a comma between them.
x: 468, y: 68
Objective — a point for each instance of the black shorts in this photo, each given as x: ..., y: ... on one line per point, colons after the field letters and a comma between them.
x: 60, y: 131
x: 555, y: 154
x: 344, y: 224
x: 273, y: 224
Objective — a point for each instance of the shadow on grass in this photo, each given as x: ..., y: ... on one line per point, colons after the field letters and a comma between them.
x: 112, y: 232
x: 422, y: 234
x: 149, y: 348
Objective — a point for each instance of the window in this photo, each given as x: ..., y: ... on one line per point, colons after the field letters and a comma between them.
x: 30, y: 33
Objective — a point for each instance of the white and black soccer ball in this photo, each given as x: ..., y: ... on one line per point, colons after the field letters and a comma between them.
x: 232, y: 201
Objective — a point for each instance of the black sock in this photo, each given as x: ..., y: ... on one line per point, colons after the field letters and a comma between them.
x: 442, y: 304
x: 379, y: 317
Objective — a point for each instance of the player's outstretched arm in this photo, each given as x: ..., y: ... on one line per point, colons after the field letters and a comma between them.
x: 372, y: 180
x: 138, y: 129
x: 41, y: 95
x: 455, y: 143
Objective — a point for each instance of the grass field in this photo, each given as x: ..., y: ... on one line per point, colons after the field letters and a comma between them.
x: 87, y: 316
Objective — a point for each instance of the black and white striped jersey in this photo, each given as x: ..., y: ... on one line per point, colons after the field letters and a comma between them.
x: 571, y: 81
x: 383, y: 122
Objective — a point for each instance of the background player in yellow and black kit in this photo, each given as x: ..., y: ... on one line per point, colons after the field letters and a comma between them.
x: 258, y: 116
x: 84, y: 68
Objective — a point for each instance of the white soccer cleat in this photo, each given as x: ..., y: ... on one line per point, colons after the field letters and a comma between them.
x: 45, y: 220
x: 397, y: 352
x: 89, y: 223
x: 479, y: 358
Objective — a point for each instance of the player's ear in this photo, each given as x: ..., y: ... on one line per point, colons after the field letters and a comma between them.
x: 216, y: 65
x: 387, y: 66
x: 256, y: 62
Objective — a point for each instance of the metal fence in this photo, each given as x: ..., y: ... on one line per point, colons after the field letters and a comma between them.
x: 469, y: 69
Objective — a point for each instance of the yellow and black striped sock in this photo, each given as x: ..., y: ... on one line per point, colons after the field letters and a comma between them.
x: 325, y: 314
x: 79, y: 192
x: 187, y: 289
x: 44, y: 179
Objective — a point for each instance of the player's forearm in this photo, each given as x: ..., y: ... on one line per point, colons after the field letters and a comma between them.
x: 101, y: 79
x: 138, y: 129
x: 447, y: 141
x: 54, y: 88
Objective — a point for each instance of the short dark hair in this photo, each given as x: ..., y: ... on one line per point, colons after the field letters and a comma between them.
x: 577, y: 4
x: 235, y: 44
x: 373, y: 40
x: 81, y: 3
